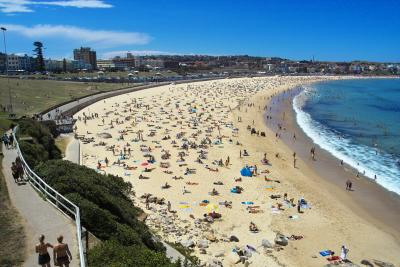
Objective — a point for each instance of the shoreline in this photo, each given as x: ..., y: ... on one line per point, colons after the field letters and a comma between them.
x: 369, y: 199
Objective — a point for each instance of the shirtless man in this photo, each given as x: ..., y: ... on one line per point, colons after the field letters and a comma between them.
x: 61, y: 254
x: 41, y: 249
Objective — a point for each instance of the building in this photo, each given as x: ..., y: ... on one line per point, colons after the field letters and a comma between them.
x: 2, y: 62
x: 105, y: 64
x: 149, y: 62
x: 53, y: 65
x: 86, y: 55
x: 124, y: 63
x: 78, y: 65
x: 13, y: 62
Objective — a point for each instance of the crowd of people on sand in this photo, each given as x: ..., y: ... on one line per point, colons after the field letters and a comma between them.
x: 173, y: 142
x: 61, y: 254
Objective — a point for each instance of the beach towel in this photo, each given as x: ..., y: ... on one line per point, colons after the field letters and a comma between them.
x: 269, y: 187
x: 275, y: 210
x: 184, y: 206
x: 245, y: 172
x: 233, y: 190
x: 247, y: 203
x: 325, y: 253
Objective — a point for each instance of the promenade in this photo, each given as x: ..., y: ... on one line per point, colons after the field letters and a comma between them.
x: 38, y: 215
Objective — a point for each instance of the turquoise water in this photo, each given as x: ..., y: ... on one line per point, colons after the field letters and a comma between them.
x: 358, y: 121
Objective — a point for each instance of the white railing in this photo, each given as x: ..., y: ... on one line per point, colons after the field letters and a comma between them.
x: 56, y: 199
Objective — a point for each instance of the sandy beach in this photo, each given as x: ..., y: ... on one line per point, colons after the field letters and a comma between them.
x: 186, y: 145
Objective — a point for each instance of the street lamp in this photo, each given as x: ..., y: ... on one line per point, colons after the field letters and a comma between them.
x: 6, y: 59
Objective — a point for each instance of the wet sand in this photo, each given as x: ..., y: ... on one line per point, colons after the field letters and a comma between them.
x: 368, y: 199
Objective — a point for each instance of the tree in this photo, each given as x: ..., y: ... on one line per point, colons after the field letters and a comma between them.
x: 64, y: 65
x: 39, y: 56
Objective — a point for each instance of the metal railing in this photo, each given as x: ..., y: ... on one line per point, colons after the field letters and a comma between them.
x: 53, y: 197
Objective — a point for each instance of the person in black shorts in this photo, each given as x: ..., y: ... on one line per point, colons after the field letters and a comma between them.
x: 41, y: 249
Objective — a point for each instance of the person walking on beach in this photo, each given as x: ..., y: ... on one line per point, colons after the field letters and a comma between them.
x: 343, y: 253
x: 294, y: 159
x: 41, y: 249
x: 312, y: 151
x: 349, y: 184
x: 61, y: 254
x: 299, y: 206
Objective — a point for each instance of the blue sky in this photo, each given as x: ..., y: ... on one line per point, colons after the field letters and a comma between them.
x: 337, y: 30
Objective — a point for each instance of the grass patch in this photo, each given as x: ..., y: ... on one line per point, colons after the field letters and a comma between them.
x: 12, y: 234
x: 33, y: 96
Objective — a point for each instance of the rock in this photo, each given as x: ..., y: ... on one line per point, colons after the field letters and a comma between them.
x: 266, y: 244
x: 383, y: 264
x: 202, y: 244
x: 281, y: 240
x: 233, y: 238
x: 367, y: 263
x: 104, y: 135
x: 187, y: 243
x: 211, y: 238
x: 219, y: 254
x: 214, y: 263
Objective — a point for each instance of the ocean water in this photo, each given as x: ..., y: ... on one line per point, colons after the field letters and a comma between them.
x: 357, y: 121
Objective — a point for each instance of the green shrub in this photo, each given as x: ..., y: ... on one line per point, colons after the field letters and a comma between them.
x: 113, y: 254
x: 43, y: 146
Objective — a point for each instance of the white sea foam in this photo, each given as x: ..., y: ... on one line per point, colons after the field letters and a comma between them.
x: 361, y: 157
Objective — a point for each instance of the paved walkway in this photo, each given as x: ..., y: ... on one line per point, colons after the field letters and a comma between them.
x: 39, y: 216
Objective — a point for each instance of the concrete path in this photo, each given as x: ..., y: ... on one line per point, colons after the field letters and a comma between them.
x: 39, y: 216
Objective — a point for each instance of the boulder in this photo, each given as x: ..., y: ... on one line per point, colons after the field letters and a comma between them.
x: 104, y: 135
x: 187, y: 243
x: 211, y: 238
x: 219, y: 254
x: 281, y: 240
x: 367, y: 263
x: 266, y: 244
x: 202, y: 244
x: 214, y: 263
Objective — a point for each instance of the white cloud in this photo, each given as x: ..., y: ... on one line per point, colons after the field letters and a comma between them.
x: 97, y: 38
x: 122, y: 53
x: 18, y: 6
